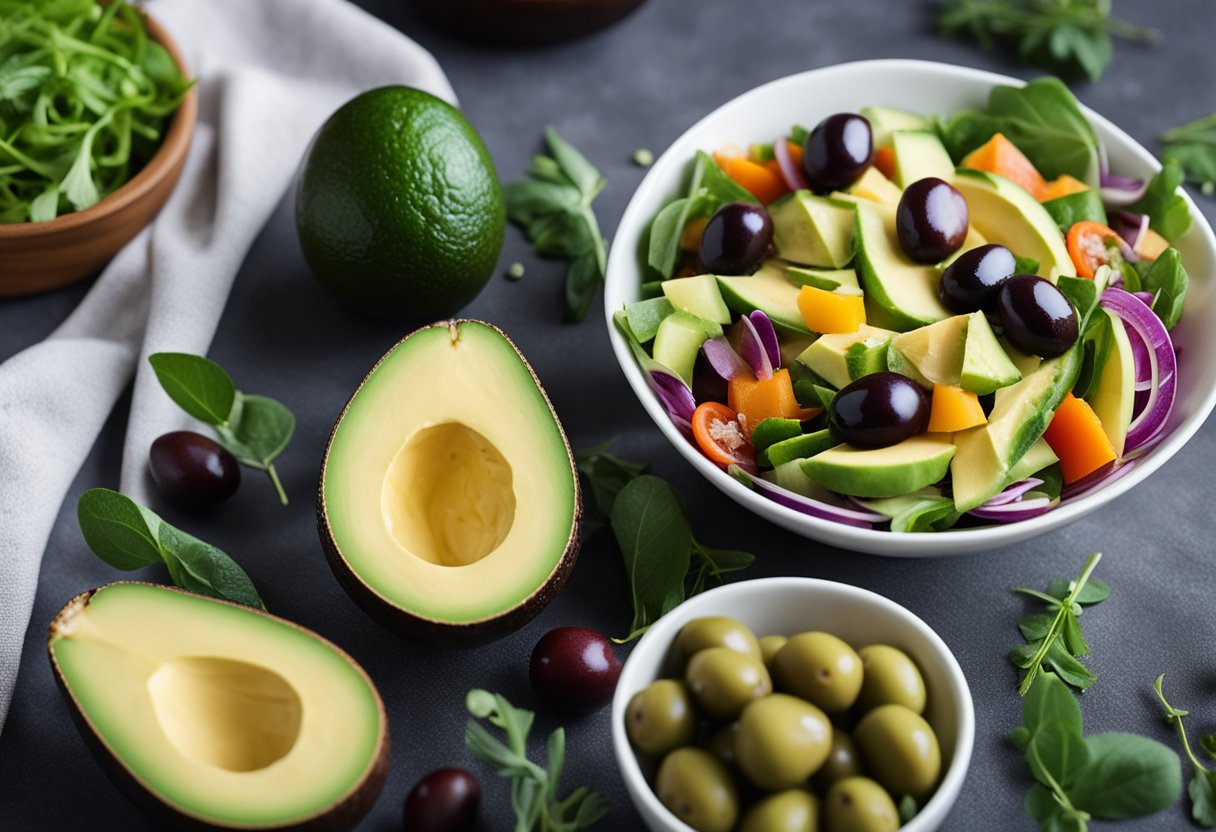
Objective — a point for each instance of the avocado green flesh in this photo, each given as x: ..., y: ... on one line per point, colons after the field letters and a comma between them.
x: 1032, y: 462
x: 827, y: 279
x: 798, y: 447
x: 677, y: 342
x: 221, y: 712
x: 882, y: 472
x: 1022, y: 411
x: 768, y: 290
x: 812, y: 230
x: 828, y: 356
x: 919, y: 154
x: 644, y: 316
x: 1007, y: 214
x: 448, y: 487
x: 986, y: 368
x: 1113, y: 400
x: 698, y: 296
x: 900, y: 294
x: 932, y: 354
x: 886, y: 120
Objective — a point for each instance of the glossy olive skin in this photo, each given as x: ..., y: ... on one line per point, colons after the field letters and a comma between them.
x: 736, y: 238
x: 792, y: 810
x: 191, y: 471
x: 574, y: 669
x: 769, y: 645
x: 820, y: 668
x: 931, y: 220
x: 890, y: 677
x: 698, y: 790
x: 445, y: 800
x: 900, y: 750
x: 722, y: 743
x: 660, y: 718
x: 723, y: 681
x: 972, y: 282
x: 717, y: 631
x: 837, y: 151
x: 878, y: 410
x: 843, y: 761
x: 1037, y: 318
x: 782, y: 741
x: 858, y: 804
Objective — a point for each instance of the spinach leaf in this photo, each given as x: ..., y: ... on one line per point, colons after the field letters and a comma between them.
x: 197, y: 385
x: 931, y: 514
x: 1167, y: 211
x: 1096, y: 344
x: 1166, y: 278
x: 656, y: 542
x: 114, y: 528
x: 1128, y: 776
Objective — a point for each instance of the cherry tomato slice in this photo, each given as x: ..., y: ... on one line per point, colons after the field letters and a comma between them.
x: 1087, y: 246
x: 720, y: 437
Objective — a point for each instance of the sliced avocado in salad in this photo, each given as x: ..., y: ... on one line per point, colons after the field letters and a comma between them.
x: 773, y: 430
x: 919, y: 154
x: 932, y: 354
x: 1114, y: 397
x: 882, y: 472
x: 872, y: 185
x: 866, y: 357
x: 827, y: 356
x: 1022, y: 412
x: 886, y: 120
x: 986, y: 366
x: 644, y: 316
x: 769, y: 291
x: 813, y: 230
x: 698, y: 296
x: 900, y: 294
x: 1033, y: 461
x: 1005, y: 213
x: 679, y: 339
x: 797, y: 447
x: 827, y: 279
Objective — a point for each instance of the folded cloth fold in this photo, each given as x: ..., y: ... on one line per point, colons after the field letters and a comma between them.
x: 269, y: 73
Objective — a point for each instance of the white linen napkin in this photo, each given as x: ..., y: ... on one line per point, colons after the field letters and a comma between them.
x: 270, y: 72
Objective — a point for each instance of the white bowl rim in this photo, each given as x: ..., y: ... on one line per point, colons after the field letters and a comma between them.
x: 663, y: 633
x: 954, y: 542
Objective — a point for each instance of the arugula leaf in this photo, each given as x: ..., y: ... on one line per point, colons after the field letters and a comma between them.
x: 533, y: 788
x: 1166, y: 278
x: 1167, y: 211
x: 254, y: 429
x: 1042, y: 118
x: 656, y: 542
x: 1202, y: 788
x: 1047, y: 649
x: 128, y: 536
x: 554, y: 209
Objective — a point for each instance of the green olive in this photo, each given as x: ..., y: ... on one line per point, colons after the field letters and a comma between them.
x: 858, y: 804
x: 660, y: 717
x: 723, y: 681
x: 722, y: 743
x: 698, y: 789
x: 889, y: 677
x: 821, y: 669
x: 769, y: 645
x: 843, y: 761
x: 900, y: 750
x: 789, y: 811
x: 717, y: 631
x: 782, y: 741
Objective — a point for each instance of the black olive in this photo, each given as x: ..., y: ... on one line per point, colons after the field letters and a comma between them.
x: 837, y: 151
x: 879, y: 409
x: 191, y: 471
x: 972, y: 282
x: 931, y: 221
x: 736, y: 238
x: 1037, y: 318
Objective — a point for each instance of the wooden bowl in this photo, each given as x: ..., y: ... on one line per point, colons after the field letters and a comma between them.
x: 40, y: 256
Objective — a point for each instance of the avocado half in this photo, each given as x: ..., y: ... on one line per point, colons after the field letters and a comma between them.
x: 449, y: 503
x: 213, y: 715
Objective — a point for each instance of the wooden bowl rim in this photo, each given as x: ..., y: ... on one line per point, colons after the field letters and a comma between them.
x: 174, y: 146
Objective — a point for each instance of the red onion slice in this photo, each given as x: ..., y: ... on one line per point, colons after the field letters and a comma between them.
x: 794, y: 178
x: 752, y: 349
x: 1127, y: 225
x: 768, y: 337
x: 675, y: 396
x: 1162, y: 362
x: 1013, y: 492
x: 1015, y: 511
x: 808, y: 505
x: 1121, y: 190
x: 723, y: 358
x: 1096, y: 480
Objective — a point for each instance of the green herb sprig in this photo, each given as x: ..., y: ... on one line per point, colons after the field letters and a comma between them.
x: 84, y: 98
x: 533, y: 787
x: 128, y: 536
x: 1193, y: 148
x: 664, y: 562
x: 1054, y: 638
x: 554, y: 209
x: 1202, y: 787
x: 1068, y: 37
x: 254, y: 429
x: 1110, y: 776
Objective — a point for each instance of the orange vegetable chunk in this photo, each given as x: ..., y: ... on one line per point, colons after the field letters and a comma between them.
x: 757, y: 180
x: 826, y: 312
x: 1002, y: 157
x: 884, y: 160
x: 954, y: 409
x: 1064, y: 185
x: 758, y: 399
x: 1076, y: 435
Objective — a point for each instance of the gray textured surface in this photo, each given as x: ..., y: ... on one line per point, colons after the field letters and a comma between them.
x: 640, y: 85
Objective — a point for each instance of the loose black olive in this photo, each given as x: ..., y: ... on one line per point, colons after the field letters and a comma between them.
x: 837, y: 151
x: 191, y: 471
x: 879, y: 409
x: 736, y: 238
x: 1037, y: 318
x: 931, y: 220
x: 972, y: 282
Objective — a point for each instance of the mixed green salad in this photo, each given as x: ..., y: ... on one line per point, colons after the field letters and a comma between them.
x: 903, y: 322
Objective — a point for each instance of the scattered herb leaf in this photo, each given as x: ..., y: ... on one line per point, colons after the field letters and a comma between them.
x: 254, y: 429
x: 1068, y: 37
x: 1167, y: 211
x: 1062, y: 641
x: 128, y: 536
x: 1193, y: 148
x: 1202, y: 788
x: 554, y: 209
x: 533, y: 787
x: 1166, y: 278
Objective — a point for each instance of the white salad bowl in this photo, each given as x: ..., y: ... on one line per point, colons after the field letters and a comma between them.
x: 786, y: 606
x: 768, y: 111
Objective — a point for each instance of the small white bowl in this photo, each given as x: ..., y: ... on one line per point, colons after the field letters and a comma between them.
x: 786, y: 606
x: 768, y: 111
